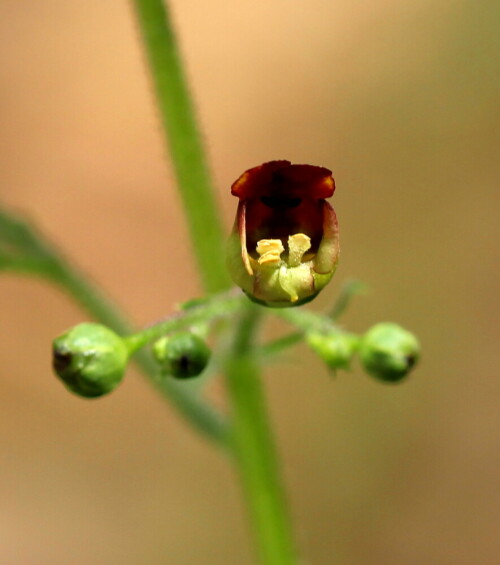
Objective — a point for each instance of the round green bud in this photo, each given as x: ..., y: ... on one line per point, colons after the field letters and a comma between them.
x: 182, y: 355
x: 335, y: 348
x: 388, y: 351
x: 90, y: 359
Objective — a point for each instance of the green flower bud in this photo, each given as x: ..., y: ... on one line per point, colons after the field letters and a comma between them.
x: 182, y: 355
x: 335, y: 348
x: 90, y: 359
x: 388, y: 351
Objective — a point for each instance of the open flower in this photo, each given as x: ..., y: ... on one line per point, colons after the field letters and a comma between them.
x: 284, y: 245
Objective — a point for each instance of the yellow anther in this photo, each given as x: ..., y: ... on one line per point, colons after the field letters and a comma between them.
x: 298, y: 244
x: 270, y: 251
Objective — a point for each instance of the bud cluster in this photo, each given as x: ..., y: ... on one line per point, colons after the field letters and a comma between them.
x: 387, y: 351
x: 90, y: 359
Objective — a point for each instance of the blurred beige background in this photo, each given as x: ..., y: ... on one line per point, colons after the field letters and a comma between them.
x: 400, y: 100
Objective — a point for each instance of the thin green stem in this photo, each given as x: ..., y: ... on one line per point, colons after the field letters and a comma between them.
x: 184, y: 140
x: 194, y: 409
x: 254, y: 448
x: 350, y: 289
x: 219, y: 306
x: 305, y: 320
x: 281, y: 343
x: 251, y: 441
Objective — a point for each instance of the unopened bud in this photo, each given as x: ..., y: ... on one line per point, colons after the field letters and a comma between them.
x: 388, y: 351
x: 336, y: 349
x: 182, y: 355
x: 90, y: 359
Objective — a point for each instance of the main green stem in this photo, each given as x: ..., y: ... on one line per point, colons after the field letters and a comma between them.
x: 184, y: 141
x: 254, y: 447
x: 251, y: 439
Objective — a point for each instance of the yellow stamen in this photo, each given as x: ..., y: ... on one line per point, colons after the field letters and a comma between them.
x: 270, y: 251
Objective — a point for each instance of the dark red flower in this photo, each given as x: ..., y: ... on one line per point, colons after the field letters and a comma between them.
x: 284, y: 246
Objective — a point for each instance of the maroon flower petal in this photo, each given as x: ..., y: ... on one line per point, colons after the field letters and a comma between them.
x: 278, y: 180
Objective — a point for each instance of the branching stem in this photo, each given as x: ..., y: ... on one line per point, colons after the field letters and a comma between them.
x: 250, y: 434
x: 194, y: 409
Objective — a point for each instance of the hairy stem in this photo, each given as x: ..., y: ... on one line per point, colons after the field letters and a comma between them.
x: 350, y: 289
x: 254, y: 447
x: 184, y: 141
x: 193, y: 408
x: 221, y: 305
x: 250, y: 437
x: 24, y: 250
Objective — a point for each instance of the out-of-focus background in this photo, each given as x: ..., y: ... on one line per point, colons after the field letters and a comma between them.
x: 400, y: 100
